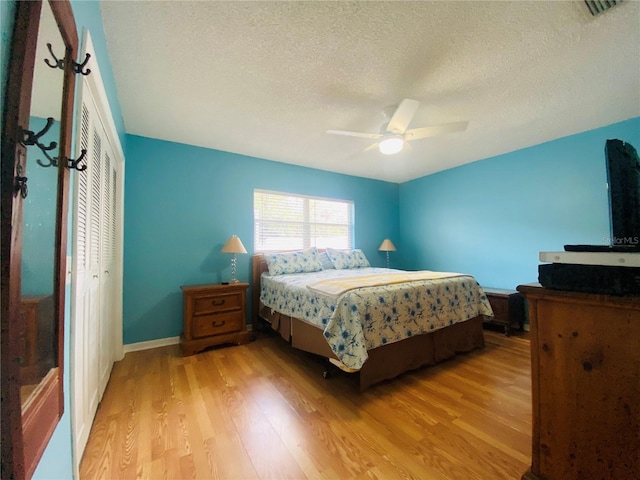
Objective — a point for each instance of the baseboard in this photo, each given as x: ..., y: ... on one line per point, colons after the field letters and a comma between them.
x: 161, y: 342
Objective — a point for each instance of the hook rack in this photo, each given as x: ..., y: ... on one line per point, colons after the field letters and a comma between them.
x: 59, y: 62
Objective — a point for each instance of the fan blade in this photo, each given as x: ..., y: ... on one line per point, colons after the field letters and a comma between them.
x: 354, y: 134
x: 373, y: 146
x: 424, y: 132
x: 402, y: 116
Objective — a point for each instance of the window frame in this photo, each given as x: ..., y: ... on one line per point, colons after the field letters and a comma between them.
x: 308, y: 240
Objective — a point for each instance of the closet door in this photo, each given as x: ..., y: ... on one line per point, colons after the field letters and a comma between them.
x: 96, y: 278
x: 83, y: 335
x: 106, y: 289
x: 93, y: 286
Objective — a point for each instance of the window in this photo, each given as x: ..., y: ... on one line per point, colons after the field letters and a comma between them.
x: 283, y: 221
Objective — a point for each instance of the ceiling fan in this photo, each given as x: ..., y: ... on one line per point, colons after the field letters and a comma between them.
x: 395, y: 133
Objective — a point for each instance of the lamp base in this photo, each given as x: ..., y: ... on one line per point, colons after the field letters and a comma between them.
x: 233, y: 269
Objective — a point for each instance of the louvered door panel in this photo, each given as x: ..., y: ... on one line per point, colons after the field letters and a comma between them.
x: 114, y: 214
x: 96, y: 171
x: 106, y: 209
x: 106, y: 265
x: 83, y: 192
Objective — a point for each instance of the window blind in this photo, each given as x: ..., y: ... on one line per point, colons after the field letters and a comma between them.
x: 284, y: 221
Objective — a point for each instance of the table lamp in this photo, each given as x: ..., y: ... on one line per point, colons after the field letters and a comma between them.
x: 387, y: 246
x: 233, y: 246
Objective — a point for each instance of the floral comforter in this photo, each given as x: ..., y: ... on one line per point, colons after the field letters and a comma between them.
x: 365, y: 318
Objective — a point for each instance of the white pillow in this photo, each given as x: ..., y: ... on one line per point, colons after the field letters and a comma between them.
x: 342, y: 259
x: 301, y: 261
x: 326, y: 261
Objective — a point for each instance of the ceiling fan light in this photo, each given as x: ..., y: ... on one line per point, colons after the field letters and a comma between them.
x: 391, y: 145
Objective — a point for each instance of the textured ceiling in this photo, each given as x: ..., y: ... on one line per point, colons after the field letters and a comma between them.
x: 267, y: 79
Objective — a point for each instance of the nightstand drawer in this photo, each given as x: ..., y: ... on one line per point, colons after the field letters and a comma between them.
x: 217, y: 303
x: 207, y: 325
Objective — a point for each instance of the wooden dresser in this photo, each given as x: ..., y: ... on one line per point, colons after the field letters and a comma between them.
x: 213, y: 315
x: 585, y: 374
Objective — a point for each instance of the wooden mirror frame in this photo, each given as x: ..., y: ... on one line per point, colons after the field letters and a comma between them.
x: 26, y: 432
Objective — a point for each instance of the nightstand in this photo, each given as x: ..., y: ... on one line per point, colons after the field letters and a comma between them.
x: 213, y: 315
x: 507, y: 306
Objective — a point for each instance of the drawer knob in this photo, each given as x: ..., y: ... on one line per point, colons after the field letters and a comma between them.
x: 216, y: 324
x: 217, y: 303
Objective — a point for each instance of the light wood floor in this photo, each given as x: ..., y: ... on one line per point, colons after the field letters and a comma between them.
x: 263, y: 411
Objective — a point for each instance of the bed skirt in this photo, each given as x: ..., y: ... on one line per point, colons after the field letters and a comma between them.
x: 390, y: 360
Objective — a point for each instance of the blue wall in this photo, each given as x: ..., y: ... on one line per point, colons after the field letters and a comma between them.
x: 183, y: 202
x: 492, y: 217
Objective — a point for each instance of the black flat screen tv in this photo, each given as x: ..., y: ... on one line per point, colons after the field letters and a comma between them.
x: 623, y: 177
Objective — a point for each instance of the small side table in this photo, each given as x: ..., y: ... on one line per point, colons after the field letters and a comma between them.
x: 213, y: 315
x: 508, y: 308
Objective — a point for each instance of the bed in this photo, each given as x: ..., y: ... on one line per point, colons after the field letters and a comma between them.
x: 377, y: 323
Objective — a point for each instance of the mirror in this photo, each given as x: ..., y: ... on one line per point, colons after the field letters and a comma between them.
x: 37, y: 316
x: 36, y: 139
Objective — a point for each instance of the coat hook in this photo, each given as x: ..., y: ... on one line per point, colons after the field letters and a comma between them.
x: 78, y: 67
x: 57, y: 63
x: 53, y: 162
x: 73, y: 164
x: 21, y: 183
x: 30, y: 138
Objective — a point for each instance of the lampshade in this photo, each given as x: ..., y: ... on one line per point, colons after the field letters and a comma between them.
x: 233, y: 245
x: 391, y: 145
x: 387, y: 246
